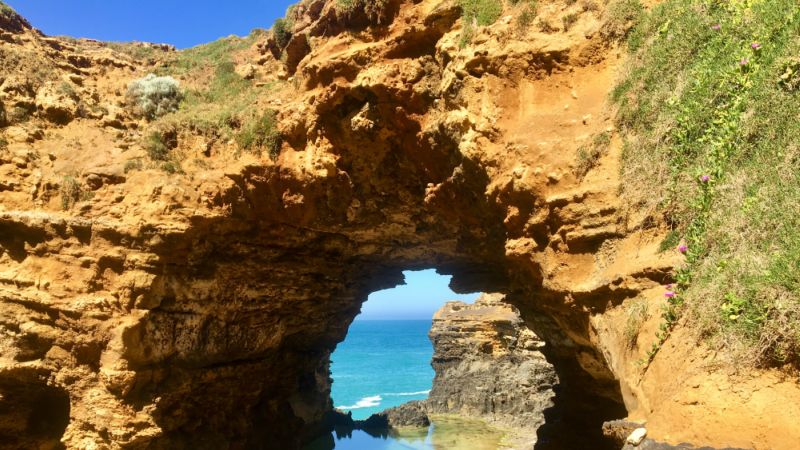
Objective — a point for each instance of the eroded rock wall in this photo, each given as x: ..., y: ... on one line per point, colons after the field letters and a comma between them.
x: 198, y: 309
x: 489, y: 365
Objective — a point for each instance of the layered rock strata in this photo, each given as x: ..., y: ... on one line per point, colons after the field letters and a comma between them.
x: 489, y: 365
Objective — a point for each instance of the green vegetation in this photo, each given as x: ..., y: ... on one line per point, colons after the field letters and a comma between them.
x: 137, y: 51
x: 3, y: 143
x: 207, y: 55
x: 133, y: 164
x: 589, y: 155
x: 527, y: 13
x: 708, y: 109
x: 159, y: 146
x: 6, y: 10
x: 481, y: 12
x: 569, y: 20
x: 70, y: 192
x: 155, y: 147
x: 222, y: 105
x: 154, y: 96
x: 478, y: 13
x: 621, y: 16
x: 282, y: 32
x: 374, y: 9
x: 261, y: 133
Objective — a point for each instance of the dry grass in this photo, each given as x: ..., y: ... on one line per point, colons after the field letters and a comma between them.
x: 638, y: 313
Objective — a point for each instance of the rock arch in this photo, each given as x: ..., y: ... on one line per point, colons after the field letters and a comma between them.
x: 202, y: 312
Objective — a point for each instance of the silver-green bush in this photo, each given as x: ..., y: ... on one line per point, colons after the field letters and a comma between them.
x: 155, y: 96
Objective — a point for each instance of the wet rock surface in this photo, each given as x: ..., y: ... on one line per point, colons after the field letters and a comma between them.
x: 411, y: 414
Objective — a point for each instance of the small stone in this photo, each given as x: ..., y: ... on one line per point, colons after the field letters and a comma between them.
x: 637, y: 436
x: 18, y: 134
x: 247, y: 71
x: 94, y: 181
x: 19, y: 162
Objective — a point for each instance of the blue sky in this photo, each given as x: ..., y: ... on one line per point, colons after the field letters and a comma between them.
x: 183, y: 23
x: 424, y: 292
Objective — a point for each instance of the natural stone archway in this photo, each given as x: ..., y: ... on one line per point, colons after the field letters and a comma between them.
x: 200, y: 310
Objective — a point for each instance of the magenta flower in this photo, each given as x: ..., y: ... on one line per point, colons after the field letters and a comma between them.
x: 755, y: 46
x: 669, y: 294
x: 716, y: 27
x: 705, y: 178
x: 683, y: 248
x: 744, y: 62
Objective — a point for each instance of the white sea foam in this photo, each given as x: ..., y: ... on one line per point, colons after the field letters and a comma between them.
x: 366, y: 402
x: 407, y: 394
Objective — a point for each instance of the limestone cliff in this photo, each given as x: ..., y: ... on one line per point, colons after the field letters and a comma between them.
x: 489, y: 365
x: 195, y: 304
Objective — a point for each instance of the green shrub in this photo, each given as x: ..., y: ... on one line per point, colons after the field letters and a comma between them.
x: 133, y: 164
x: 527, y: 15
x: 482, y: 12
x: 281, y: 32
x: 155, y: 147
x: 569, y: 20
x: 155, y: 96
x: 374, y: 9
x: 170, y: 167
x: 261, y: 133
x: 620, y: 17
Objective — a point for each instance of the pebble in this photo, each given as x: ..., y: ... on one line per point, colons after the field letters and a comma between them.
x: 637, y: 436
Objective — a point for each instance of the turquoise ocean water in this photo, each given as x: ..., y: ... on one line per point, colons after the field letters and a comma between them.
x: 382, y: 363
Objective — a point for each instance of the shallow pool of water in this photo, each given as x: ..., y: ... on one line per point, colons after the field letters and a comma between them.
x: 446, y: 433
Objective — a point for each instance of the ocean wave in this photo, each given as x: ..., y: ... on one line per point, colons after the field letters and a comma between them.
x: 366, y: 402
x: 407, y: 394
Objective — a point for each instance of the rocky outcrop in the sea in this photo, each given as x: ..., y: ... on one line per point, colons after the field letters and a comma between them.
x: 410, y: 414
x: 489, y: 365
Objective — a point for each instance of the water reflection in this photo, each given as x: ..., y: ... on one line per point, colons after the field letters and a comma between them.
x: 446, y: 433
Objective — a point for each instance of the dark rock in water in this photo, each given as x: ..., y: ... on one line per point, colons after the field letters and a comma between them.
x: 649, y: 444
x: 488, y: 365
x: 338, y: 418
x: 411, y: 414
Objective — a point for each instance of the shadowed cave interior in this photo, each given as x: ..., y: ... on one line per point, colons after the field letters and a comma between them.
x: 572, y: 421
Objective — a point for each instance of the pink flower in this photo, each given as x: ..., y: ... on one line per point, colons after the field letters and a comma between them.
x: 744, y: 62
x: 755, y: 46
x: 705, y: 178
x: 683, y: 248
x: 669, y: 294
x: 669, y: 287
x: 716, y: 27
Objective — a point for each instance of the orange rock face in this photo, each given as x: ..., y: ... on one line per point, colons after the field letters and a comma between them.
x: 198, y: 309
